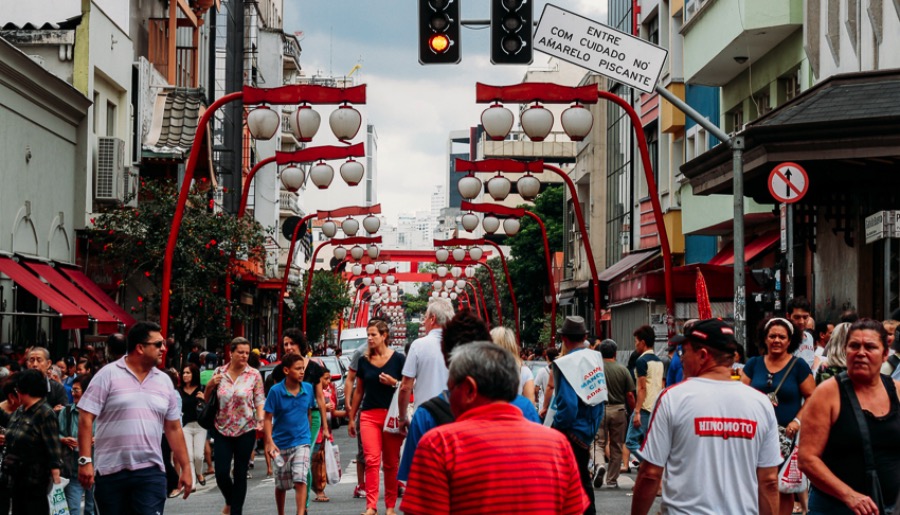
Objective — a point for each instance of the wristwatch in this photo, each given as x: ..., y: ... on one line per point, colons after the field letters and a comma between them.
x: 84, y: 460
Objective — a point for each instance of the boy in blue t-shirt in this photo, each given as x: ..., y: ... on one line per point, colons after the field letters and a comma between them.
x: 287, y: 431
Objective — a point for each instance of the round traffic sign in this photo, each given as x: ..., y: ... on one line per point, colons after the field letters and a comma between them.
x: 788, y: 182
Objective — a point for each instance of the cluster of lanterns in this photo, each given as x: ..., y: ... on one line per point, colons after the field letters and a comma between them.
x: 499, y: 187
x: 395, y: 314
x: 537, y: 122
x: 453, y: 286
x: 490, y: 223
x: 442, y: 254
x: 350, y: 227
x: 345, y: 121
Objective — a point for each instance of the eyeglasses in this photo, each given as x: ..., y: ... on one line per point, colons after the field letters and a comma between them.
x: 158, y: 343
x: 769, y: 380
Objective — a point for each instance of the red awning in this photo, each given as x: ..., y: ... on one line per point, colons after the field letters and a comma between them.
x: 72, y: 316
x: 752, y: 248
x: 106, y: 323
x: 97, y: 293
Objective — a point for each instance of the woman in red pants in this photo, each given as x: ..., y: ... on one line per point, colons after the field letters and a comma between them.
x: 378, y: 376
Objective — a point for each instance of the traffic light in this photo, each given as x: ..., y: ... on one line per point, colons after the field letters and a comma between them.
x: 439, y: 24
x: 512, y: 25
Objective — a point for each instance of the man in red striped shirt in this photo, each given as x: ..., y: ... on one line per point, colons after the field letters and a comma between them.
x: 494, y: 460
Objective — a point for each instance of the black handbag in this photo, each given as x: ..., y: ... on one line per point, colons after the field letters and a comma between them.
x: 207, y: 416
x: 869, y: 458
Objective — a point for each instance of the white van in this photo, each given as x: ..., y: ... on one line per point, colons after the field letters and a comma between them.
x: 351, y: 339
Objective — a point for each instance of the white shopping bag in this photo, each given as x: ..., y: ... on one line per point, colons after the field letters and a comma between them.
x: 57, y: 498
x: 392, y: 420
x: 332, y: 463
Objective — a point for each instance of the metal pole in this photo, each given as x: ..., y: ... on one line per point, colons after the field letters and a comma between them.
x: 740, y: 293
x: 496, y: 294
x: 789, y: 255
x: 284, y: 280
x: 540, y: 223
x: 512, y: 293
x: 887, y: 278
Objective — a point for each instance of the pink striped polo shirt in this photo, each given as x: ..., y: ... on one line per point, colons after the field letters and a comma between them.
x: 130, y: 416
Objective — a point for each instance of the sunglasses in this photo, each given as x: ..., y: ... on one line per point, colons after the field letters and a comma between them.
x: 158, y: 343
x: 769, y: 380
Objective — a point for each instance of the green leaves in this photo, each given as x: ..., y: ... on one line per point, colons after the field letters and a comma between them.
x: 328, y: 298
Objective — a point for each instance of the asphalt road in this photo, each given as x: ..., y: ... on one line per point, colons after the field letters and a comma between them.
x: 260, y: 492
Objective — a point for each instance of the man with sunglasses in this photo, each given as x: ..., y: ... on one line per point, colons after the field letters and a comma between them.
x: 710, y: 426
x: 131, y: 402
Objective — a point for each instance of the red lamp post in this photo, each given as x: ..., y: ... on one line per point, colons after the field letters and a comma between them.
x: 285, y: 95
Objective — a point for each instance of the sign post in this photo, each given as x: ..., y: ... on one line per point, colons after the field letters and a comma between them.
x: 788, y: 183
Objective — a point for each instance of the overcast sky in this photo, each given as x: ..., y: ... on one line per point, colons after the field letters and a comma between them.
x: 413, y: 107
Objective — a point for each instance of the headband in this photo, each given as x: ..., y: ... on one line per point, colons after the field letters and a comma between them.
x: 790, y: 326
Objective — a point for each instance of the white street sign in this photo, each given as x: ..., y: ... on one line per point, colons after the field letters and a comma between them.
x: 878, y: 226
x: 788, y: 182
x: 893, y: 218
x: 599, y: 48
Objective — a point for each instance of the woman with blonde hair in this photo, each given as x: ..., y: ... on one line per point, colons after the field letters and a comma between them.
x: 505, y: 338
x: 835, y: 359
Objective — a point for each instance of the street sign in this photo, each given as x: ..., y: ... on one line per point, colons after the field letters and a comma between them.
x: 788, y: 182
x: 893, y: 218
x: 782, y: 218
x: 877, y: 226
x: 599, y: 48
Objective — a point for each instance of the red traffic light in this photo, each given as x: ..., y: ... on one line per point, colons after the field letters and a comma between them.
x: 439, y: 43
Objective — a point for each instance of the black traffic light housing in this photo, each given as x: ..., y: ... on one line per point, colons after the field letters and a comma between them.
x: 439, y: 24
x: 512, y: 27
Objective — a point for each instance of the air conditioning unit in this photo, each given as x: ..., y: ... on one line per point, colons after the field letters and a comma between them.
x: 109, y: 169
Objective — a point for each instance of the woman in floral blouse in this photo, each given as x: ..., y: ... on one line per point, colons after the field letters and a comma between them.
x: 241, y: 400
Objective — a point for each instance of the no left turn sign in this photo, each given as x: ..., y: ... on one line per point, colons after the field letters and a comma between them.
x: 788, y: 182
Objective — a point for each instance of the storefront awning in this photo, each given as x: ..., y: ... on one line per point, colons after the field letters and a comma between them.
x: 626, y: 264
x: 106, y: 323
x: 753, y: 247
x: 97, y: 293
x: 652, y: 285
x: 72, y: 316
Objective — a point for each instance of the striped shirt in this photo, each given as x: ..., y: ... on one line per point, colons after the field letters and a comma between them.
x: 491, y: 460
x: 130, y: 417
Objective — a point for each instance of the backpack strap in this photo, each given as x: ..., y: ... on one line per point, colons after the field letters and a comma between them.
x: 439, y: 409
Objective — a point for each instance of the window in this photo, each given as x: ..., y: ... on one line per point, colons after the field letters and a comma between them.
x: 96, y: 108
x: 653, y: 30
x: 791, y: 85
x: 736, y: 118
x: 110, y: 119
x: 619, y: 180
x: 763, y: 103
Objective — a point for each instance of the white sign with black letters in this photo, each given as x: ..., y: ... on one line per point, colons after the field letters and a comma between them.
x: 599, y: 48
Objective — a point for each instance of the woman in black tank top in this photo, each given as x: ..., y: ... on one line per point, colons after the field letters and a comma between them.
x: 831, y: 448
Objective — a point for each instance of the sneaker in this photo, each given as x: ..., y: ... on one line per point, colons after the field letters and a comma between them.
x: 599, y: 475
x: 359, y: 492
x: 249, y: 475
x: 634, y: 464
x: 612, y: 485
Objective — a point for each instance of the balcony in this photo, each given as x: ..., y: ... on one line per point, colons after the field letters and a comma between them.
x: 723, y: 37
x: 184, y: 71
x: 556, y: 148
x: 288, y: 204
x: 291, y: 53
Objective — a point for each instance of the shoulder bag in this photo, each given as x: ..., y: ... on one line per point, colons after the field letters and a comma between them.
x: 869, y: 458
x: 207, y: 416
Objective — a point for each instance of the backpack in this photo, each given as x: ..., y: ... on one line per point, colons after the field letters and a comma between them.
x: 894, y: 361
x: 440, y: 410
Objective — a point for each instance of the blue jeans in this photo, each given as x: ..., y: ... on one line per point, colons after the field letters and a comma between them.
x: 74, y: 493
x: 133, y: 492
x: 635, y: 437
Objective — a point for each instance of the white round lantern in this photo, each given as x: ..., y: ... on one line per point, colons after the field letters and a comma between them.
x: 459, y: 254
x: 445, y: 295
x: 379, y: 280
x: 357, y: 252
x: 475, y: 253
x: 437, y: 285
x: 373, y: 289
x: 292, y: 178
x: 371, y: 224
x: 321, y: 174
x: 453, y: 295
x: 470, y: 221
x: 537, y: 121
x: 499, y: 187
x: 382, y: 289
x: 263, y: 123
x: 345, y: 122
x: 491, y: 224
x: 470, y: 271
x: 528, y: 187
x: 329, y: 229
x: 577, y: 121
x: 456, y: 271
x: 469, y: 187
x: 449, y: 283
x: 394, y: 288
x: 460, y: 284
x: 352, y: 172
x: 442, y: 271
x: 511, y: 226
x: 340, y: 253
x: 435, y: 294
x: 373, y: 251
x: 350, y: 226
x: 357, y: 269
x: 367, y: 281
x: 390, y: 279
x: 497, y: 121
x: 442, y: 255
x: 370, y: 269
x: 384, y: 267
x: 305, y: 123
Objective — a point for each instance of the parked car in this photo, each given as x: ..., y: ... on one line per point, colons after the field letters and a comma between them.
x: 352, y: 338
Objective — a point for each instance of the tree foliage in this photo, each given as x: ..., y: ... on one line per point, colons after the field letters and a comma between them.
x: 528, y: 266
x: 328, y: 297
x: 134, y: 241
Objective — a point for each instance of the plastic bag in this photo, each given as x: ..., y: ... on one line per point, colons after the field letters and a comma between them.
x: 790, y: 479
x: 57, y: 498
x: 392, y: 420
x: 332, y: 463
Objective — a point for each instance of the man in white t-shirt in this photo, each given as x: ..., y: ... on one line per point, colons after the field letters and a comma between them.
x: 798, y: 312
x: 425, y: 371
x: 712, y: 441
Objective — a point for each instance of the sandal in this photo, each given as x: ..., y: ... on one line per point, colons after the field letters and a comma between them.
x: 321, y: 498
x: 175, y: 493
